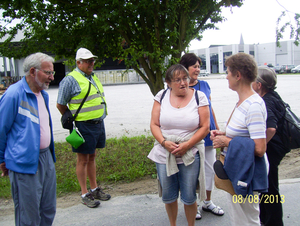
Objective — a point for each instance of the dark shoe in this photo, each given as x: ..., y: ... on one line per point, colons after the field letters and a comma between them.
x: 99, y: 194
x: 89, y: 200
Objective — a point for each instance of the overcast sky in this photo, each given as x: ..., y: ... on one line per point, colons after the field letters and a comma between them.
x: 255, y: 20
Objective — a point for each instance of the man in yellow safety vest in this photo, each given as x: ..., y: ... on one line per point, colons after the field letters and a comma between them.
x: 89, y: 121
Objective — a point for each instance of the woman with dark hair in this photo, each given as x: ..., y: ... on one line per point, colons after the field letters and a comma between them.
x: 247, y: 122
x: 265, y: 85
x: 179, y: 148
x: 192, y: 63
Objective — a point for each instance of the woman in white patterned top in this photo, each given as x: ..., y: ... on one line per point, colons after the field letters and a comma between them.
x: 247, y: 120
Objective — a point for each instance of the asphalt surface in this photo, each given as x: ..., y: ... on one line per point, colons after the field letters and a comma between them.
x: 129, y: 108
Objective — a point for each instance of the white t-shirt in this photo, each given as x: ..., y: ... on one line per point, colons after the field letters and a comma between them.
x: 176, y: 121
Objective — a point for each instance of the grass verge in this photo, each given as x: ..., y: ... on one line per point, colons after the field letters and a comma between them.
x: 123, y: 159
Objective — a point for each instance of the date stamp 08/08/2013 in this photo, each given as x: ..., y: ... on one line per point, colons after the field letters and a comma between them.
x: 266, y: 198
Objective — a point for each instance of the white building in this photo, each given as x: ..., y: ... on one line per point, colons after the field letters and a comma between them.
x: 213, y: 57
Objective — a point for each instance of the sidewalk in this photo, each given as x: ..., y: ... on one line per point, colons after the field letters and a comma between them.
x: 147, y: 210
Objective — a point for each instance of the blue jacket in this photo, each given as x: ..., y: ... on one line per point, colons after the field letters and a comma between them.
x: 20, y: 128
x: 246, y: 171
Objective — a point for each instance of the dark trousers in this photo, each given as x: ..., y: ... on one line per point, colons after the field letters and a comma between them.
x: 270, y: 206
x: 34, y: 195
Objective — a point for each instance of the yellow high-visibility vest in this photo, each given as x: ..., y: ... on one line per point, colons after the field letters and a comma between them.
x: 95, y: 103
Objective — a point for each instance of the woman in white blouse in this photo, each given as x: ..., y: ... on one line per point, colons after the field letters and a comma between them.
x: 179, y: 122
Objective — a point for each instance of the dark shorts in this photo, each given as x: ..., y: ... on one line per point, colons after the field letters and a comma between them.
x: 94, y: 136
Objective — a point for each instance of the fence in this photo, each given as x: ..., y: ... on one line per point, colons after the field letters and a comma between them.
x: 108, y: 77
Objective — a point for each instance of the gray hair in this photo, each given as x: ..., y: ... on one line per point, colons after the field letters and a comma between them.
x: 35, y: 60
x: 267, y: 77
x: 174, y: 70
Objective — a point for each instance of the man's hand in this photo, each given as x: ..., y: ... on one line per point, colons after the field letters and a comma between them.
x: 3, y: 169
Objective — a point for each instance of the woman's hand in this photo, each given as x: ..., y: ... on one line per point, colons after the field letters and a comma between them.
x: 215, y: 133
x: 181, y: 149
x: 221, y: 141
x: 170, y: 146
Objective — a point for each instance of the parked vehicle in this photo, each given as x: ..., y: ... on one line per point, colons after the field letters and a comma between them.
x: 296, y: 69
x: 286, y: 68
x: 203, y: 72
x: 277, y: 69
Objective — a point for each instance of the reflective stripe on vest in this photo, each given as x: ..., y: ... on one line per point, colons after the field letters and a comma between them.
x: 93, y: 107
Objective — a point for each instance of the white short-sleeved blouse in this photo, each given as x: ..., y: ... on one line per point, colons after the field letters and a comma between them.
x: 176, y: 121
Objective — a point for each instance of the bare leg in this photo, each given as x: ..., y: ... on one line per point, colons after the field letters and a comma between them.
x: 172, y: 211
x: 190, y: 213
x: 208, y: 195
x: 91, y: 170
x: 81, y: 171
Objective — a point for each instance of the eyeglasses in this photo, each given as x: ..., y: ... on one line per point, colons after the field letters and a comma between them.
x: 178, y: 81
x: 89, y: 61
x: 49, y: 73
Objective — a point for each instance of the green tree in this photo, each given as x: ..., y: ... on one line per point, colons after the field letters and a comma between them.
x: 147, y: 34
x: 294, y: 27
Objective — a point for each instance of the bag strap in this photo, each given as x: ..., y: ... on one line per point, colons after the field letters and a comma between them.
x: 84, y: 99
x: 227, y: 125
x: 164, y: 93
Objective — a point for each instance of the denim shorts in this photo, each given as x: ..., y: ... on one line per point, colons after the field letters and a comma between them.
x: 185, y: 180
x: 94, y: 136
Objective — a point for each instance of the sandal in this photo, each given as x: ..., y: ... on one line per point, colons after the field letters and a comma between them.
x: 215, y: 210
x: 198, y: 215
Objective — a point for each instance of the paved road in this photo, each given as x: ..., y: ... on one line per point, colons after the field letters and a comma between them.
x: 129, y: 106
x: 129, y: 109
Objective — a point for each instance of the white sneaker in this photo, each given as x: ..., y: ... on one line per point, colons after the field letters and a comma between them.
x: 198, y: 215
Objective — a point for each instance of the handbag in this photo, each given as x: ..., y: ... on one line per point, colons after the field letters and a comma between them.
x: 221, y: 179
x: 67, y: 118
x: 75, y: 138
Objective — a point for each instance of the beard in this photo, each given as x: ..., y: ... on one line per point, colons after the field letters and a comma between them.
x: 40, y: 84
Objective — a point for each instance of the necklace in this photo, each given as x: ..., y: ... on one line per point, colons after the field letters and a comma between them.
x: 179, y: 105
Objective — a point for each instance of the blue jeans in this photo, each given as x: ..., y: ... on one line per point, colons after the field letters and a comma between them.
x: 185, y: 180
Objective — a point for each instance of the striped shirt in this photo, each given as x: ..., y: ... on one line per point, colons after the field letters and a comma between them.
x: 248, y: 119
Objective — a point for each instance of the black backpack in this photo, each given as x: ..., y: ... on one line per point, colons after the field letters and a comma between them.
x: 290, y: 133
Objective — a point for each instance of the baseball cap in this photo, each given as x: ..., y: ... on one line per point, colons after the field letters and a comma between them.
x: 83, y: 53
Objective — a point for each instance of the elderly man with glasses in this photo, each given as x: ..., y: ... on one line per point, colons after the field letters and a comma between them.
x: 26, y: 144
x: 89, y: 121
